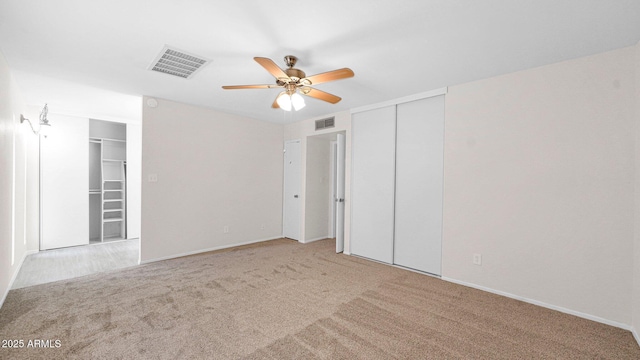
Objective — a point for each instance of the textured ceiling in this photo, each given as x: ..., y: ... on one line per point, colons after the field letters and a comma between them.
x: 71, y: 53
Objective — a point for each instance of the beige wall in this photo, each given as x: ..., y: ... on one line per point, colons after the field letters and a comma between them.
x: 301, y: 131
x: 538, y: 175
x: 16, y: 185
x: 213, y: 170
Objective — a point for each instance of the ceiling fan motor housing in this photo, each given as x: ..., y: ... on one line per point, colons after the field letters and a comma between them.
x: 295, y: 74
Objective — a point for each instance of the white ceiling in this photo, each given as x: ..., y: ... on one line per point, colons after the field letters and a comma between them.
x: 395, y: 48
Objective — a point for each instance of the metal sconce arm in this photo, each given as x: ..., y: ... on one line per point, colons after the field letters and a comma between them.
x: 23, y: 119
x: 43, y: 120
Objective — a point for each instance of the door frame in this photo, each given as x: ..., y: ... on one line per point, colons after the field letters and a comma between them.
x: 332, y: 174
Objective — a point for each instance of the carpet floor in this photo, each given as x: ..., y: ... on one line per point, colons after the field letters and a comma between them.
x: 284, y: 300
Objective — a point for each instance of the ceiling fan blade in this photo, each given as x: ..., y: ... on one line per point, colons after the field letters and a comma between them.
x: 271, y: 67
x: 321, y: 95
x: 234, y: 87
x: 328, y: 76
x: 275, y: 103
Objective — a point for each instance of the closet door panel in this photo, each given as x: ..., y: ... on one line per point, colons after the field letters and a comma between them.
x: 373, y: 183
x: 419, y: 185
x: 64, y: 183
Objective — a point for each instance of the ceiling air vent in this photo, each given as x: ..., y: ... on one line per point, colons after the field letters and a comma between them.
x: 177, y: 63
x: 325, y: 123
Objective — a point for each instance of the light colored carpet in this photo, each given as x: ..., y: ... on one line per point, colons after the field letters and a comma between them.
x: 67, y: 263
x: 284, y: 300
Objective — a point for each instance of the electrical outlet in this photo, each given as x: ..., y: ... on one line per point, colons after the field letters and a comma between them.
x: 225, y: 229
x: 153, y: 177
x: 477, y: 259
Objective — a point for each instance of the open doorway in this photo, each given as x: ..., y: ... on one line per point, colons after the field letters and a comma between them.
x: 90, y: 194
x: 89, y: 182
x: 324, y: 200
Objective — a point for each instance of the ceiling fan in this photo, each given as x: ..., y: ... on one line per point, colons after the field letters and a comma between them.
x: 293, y: 81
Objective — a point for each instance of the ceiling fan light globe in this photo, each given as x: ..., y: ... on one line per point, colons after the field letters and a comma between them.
x: 297, y: 101
x: 284, y: 101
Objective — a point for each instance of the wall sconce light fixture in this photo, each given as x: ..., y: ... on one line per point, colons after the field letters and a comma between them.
x: 44, y: 122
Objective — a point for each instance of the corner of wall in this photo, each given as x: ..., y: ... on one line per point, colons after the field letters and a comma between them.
x: 14, y: 184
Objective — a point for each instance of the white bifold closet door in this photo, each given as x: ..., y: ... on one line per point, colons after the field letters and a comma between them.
x: 373, y: 183
x: 419, y: 185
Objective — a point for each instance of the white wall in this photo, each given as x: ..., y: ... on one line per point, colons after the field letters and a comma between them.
x: 636, y: 250
x: 16, y: 147
x: 134, y: 181
x: 538, y: 175
x: 213, y: 170
x: 302, y: 130
x: 107, y: 129
x: 318, y: 188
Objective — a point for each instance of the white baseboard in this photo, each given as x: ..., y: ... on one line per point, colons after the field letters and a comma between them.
x: 635, y: 335
x: 545, y: 305
x: 315, y: 239
x: 205, y: 250
x: 15, y: 274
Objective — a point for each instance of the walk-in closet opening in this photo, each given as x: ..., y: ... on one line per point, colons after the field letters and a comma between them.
x: 107, y: 181
x: 90, y: 184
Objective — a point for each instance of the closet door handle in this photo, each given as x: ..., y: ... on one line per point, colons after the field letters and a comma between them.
x: 295, y: 196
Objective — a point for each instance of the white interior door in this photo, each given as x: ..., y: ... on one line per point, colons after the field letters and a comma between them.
x: 373, y: 183
x: 334, y: 194
x: 339, y: 200
x: 291, y: 201
x: 419, y: 183
x: 64, y: 183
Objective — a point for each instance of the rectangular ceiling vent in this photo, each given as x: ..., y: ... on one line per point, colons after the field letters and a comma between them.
x: 325, y: 123
x: 177, y: 63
